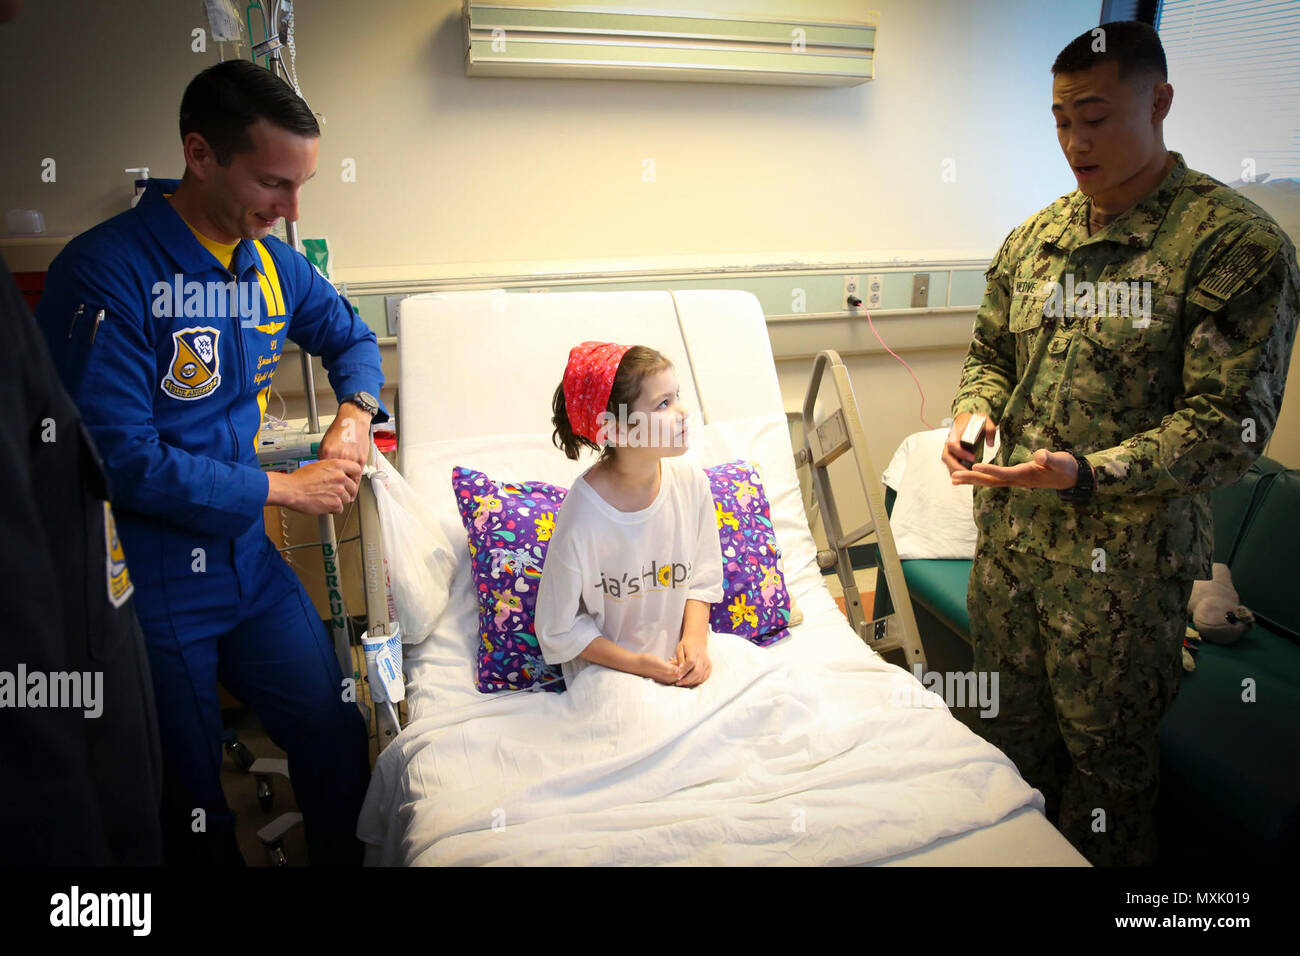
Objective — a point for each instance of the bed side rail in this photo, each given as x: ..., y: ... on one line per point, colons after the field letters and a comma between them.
x: 378, y: 612
x: 840, y: 433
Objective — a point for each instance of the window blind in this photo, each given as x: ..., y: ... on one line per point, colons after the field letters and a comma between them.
x: 1236, y: 63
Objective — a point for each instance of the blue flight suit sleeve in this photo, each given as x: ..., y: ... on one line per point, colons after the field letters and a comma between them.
x: 324, y: 324
x: 114, y: 390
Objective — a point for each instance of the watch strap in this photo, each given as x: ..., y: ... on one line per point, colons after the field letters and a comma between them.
x: 362, y: 401
x: 1083, y: 485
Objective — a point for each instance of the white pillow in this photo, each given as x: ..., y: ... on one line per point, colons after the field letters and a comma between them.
x: 932, y: 517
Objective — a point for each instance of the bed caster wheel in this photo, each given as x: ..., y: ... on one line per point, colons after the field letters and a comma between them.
x: 276, y: 852
x: 241, y: 755
x: 265, y: 793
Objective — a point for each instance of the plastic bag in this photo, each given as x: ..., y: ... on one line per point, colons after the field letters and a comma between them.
x: 416, y: 550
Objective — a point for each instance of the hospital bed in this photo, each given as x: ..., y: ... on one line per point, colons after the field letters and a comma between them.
x: 814, y: 750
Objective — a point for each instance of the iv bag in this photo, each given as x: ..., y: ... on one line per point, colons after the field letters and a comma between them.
x: 223, y: 21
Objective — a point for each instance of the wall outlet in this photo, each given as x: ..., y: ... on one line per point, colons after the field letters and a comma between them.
x: 852, y: 286
x: 391, y: 302
x: 920, y: 290
x: 874, y: 293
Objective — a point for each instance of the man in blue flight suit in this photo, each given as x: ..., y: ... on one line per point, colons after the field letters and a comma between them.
x: 166, y: 324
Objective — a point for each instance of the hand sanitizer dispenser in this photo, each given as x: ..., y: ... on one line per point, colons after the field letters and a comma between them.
x: 140, y: 183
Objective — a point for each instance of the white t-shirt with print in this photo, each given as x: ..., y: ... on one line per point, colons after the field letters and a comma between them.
x: 627, y: 575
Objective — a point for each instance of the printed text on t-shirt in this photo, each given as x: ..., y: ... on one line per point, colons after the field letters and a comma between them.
x: 660, y: 577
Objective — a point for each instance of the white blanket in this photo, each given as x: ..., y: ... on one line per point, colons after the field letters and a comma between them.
x: 778, y: 758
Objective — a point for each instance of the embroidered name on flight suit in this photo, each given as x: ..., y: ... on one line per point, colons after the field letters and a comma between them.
x: 269, y: 279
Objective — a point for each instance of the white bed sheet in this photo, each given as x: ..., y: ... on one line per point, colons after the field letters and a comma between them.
x: 813, y: 750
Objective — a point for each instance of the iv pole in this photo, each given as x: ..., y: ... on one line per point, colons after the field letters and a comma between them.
x: 379, y: 624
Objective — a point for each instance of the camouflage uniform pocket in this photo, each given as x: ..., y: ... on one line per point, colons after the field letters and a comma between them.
x: 1120, y: 361
x: 1025, y: 322
x: 1026, y: 313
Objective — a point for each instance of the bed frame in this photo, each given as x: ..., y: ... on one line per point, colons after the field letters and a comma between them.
x: 837, y: 434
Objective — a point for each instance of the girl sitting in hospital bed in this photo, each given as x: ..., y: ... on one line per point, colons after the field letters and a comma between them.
x: 634, y: 561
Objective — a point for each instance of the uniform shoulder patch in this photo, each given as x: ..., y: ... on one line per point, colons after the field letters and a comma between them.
x: 119, y: 578
x: 999, y: 259
x: 1241, y: 264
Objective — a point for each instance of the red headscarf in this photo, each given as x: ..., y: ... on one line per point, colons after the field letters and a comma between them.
x: 588, y: 380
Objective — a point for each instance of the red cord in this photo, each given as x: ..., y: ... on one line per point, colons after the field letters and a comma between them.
x: 905, y: 365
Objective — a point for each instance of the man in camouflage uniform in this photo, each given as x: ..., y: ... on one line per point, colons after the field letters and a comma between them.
x: 1118, y: 415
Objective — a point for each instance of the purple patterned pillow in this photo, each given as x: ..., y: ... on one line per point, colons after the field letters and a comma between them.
x: 509, y: 527
x: 755, y: 603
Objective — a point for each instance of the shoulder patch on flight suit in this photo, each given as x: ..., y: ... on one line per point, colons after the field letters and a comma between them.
x: 1239, y: 266
x: 119, y: 579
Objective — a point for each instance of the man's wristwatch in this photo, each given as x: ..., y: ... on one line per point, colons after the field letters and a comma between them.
x: 1083, y: 485
x: 363, y: 400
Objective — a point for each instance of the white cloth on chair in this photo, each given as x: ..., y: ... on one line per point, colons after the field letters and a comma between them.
x: 932, y: 517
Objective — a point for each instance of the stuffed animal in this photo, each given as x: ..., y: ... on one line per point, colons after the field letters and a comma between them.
x: 1216, y: 613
